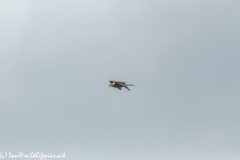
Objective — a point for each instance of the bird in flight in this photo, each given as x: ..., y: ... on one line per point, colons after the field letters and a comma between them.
x: 119, y: 84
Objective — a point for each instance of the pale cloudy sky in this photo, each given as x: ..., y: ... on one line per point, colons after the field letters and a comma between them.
x: 183, y: 56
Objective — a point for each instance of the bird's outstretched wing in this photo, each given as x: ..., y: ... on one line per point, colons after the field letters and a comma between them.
x: 127, y: 88
x: 120, y: 84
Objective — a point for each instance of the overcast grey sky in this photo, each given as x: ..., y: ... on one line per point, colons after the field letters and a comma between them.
x: 183, y: 56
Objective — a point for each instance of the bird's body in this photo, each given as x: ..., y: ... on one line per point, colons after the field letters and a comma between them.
x: 119, y: 84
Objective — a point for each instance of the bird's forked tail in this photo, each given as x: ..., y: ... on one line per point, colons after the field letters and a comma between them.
x: 129, y: 85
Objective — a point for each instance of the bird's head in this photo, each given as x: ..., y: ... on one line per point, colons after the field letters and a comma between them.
x: 112, y: 82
